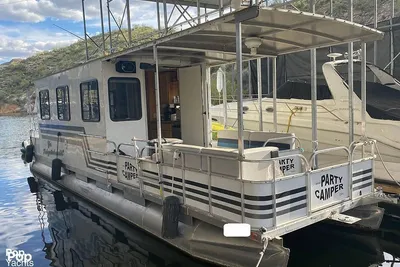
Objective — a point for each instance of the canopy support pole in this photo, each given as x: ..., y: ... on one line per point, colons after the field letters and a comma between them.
x: 239, y: 91
x: 350, y: 81
x: 102, y: 27
x: 363, y: 88
x: 165, y: 17
x: 259, y: 94
x: 375, y: 26
x: 158, y: 114
x: 109, y: 25
x: 128, y: 18
x: 314, y: 105
x: 84, y: 29
x: 157, y: 94
x: 224, y: 100
x: 274, y: 94
x: 314, y: 97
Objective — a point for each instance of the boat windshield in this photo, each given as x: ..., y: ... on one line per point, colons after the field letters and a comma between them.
x: 383, y: 90
x: 301, y: 89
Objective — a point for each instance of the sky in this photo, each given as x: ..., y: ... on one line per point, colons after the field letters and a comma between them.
x: 28, y: 26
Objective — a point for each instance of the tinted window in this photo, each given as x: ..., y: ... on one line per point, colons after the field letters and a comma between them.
x: 90, y: 101
x: 125, y: 99
x: 63, y: 112
x: 301, y: 90
x: 44, y: 105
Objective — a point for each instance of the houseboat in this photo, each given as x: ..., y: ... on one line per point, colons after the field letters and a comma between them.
x: 131, y: 133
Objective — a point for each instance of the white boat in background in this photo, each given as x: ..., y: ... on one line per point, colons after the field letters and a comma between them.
x: 294, y: 113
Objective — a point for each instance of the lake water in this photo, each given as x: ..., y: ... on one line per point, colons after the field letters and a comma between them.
x: 78, y: 234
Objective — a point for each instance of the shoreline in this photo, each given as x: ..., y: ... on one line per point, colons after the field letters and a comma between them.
x: 14, y: 114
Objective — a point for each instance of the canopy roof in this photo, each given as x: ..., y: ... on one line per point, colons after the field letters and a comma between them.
x: 212, y: 4
x: 281, y: 32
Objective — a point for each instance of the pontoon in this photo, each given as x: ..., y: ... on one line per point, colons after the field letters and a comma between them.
x: 131, y: 132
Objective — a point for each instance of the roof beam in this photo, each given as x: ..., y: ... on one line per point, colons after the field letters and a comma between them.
x: 281, y: 28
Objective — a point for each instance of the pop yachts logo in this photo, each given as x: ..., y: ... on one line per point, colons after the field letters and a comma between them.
x: 18, y: 258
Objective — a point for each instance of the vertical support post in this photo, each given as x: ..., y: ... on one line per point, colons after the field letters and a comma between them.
x: 391, y: 40
x: 84, y: 29
x: 314, y: 107
x: 158, y: 114
x: 350, y: 82
x: 225, y: 100
x: 363, y: 88
x: 221, y: 8
x: 102, y: 26
x: 239, y: 90
x: 198, y: 12
x: 250, y: 85
x: 128, y: 17
x: 375, y: 26
x: 109, y: 24
x: 274, y: 94
x: 157, y: 95
x: 165, y: 16
x: 158, y: 16
x: 259, y: 95
x: 268, y: 76
x: 207, y: 95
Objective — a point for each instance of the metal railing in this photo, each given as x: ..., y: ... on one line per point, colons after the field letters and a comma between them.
x: 159, y: 156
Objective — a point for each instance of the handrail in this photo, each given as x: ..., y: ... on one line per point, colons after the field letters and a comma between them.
x: 356, y: 144
x: 283, y: 138
x: 301, y: 156
x: 93, y: 135
x: 327, y: 150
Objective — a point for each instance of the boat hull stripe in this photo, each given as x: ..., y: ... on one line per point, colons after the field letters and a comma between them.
x: 362, y: 186
x: 355, y: 174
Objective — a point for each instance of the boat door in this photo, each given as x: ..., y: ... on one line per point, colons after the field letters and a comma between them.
x: 125, y: 100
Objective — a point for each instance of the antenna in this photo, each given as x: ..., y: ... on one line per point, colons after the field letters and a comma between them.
x: 333, y: 56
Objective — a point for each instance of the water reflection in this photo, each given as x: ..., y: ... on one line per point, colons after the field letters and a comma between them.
x: 84, y: 235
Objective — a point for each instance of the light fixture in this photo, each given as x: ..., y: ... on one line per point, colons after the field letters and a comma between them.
x: 252, y: 43
x: 333, y: 56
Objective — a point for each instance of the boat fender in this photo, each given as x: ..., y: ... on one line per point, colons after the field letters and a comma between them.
x: 33, y: 185
x: 56, y: 165
x: 29, y: 153
x: 170, y: 212
x: 61, y: 205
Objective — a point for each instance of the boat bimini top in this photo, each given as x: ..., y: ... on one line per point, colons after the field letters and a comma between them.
x: 265, y: 32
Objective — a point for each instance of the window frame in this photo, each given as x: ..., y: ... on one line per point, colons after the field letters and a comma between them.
x: 98, y: 99
x: 69, y: 103
x: 109, y: 102
x: 40, y: 104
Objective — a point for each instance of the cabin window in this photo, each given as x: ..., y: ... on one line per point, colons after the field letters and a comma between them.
x: 125, y: 99
x: 44, y: 105
x: 63, y: 111
x: 90, y: 103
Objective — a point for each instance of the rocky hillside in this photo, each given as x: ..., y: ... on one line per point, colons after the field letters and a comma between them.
x: 17, y: 76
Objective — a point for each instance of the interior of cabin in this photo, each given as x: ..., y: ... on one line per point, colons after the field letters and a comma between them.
x: 169, y: 103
